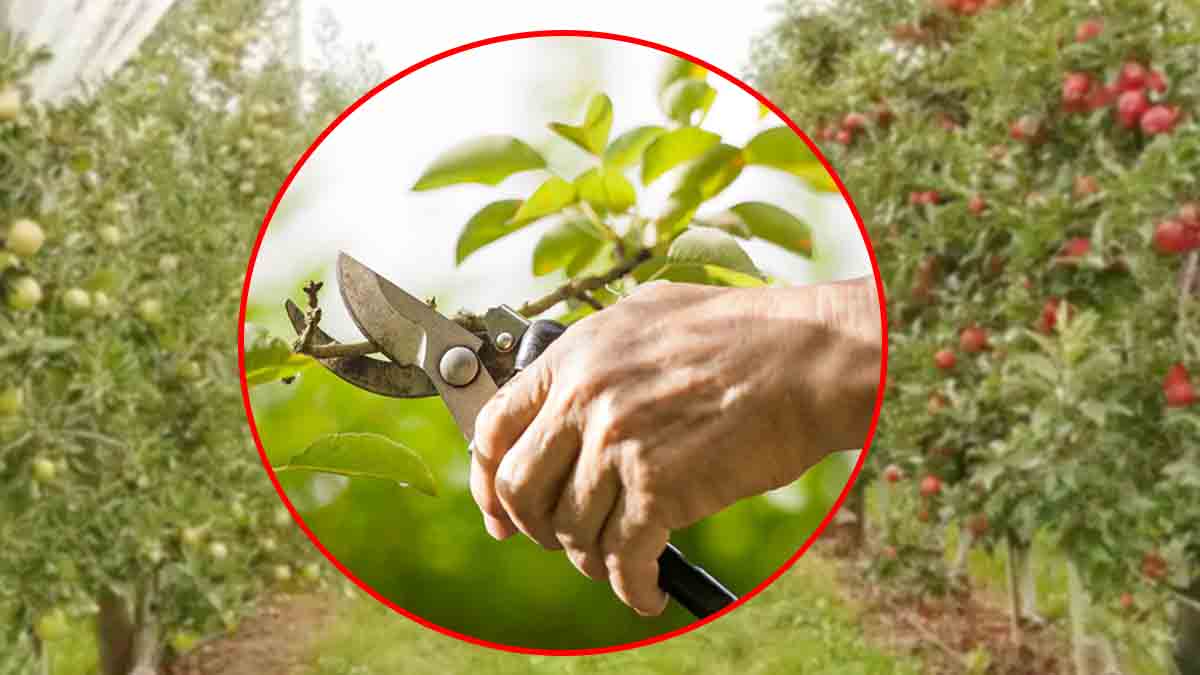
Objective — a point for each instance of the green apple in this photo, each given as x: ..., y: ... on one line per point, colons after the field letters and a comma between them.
x: 52, y: 626
x: 24, y: 293
x: 12, y: 401
x: 24, y: 237
x: 44, y: 471
x: 76, y: 301
x: 10, y: 103
x: 150, y: 310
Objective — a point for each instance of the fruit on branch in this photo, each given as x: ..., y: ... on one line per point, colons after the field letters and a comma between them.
x: 1160, y: 119
x: 1049, y: 317
x: 1131, y: 105
x: 1154, y: 566
x: 43, y: 470
x: 931, y: 486
x: 52, y: 626
x: 24, y: 293
x: 25, y: 237
x: 977, y: 205
x: 1126, y: 601
x: 893, y: 473
x: 1076, y: 89
x: 1178, y: 387
x: 76, y: 301
x: 1175, y: 236
x: 1076, y: 247
x: 945, y: 359
x: 1089, y: 30
x: 191, y: 536
x: 973, y: 339
x: 1086, y: 186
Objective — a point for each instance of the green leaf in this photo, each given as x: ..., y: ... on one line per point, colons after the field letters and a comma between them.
x: 269, y: 358
x: 710, y: 246
x: 569, y: 244
x: 676, y: 69
x: 661, y: 268
x: 607, y: 191
x: 627, y: 149
x: 780, y: 148
x: 361, y: 455
x: 488, y: 160
x: 551, y: 197
x: 487, y: 225
x: 769, y: 222
x: 674, y: 148
x: 709, y: 175
x: 592, y: 135
x: 684, y: 98
x: 292, y: 366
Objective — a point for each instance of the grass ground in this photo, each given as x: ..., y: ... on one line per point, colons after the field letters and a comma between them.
x: 798, y: 625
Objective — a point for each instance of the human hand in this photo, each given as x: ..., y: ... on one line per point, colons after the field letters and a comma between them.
x: 666, y: 408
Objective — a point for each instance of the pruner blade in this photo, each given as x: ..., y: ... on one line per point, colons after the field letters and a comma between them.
x: 385, y: 378
x: 411, y: 332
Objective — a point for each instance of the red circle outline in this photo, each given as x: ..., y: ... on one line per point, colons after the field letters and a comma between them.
x: 520, y: 36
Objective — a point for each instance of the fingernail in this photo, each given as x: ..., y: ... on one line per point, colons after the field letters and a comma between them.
x: 498, y: 529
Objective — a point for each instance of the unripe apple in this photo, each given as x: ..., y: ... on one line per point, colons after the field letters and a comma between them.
x: 76, y: 301
x: 52, y: 626
x: 218, y: 551
x: 188, y: 370
x: 12, y: 401
x: 24, y: 237
x: 282, y: 573
x: 191, y: 536
x: 110, y: 234
x: 311, y: 572
x: 10, y: 103
x: 44, y: 470
x: 150, y: 310
x: 101, y: 303
x: 184, y: 641
x: 24, y: 293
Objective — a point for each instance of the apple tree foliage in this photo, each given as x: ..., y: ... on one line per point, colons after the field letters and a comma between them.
x: 129, y: 487
x: 1029, y: 173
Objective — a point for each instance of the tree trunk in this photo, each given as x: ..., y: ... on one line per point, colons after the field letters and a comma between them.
x: 1187, y: 633
x: 1016, y: 604
x: 966, y: 540
x: 857, y: 502
x: 1091, y: 654
x: 127, y: 630
x: 1027, y: 578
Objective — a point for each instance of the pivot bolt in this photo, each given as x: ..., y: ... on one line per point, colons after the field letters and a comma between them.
x: 505, y: 342
x: 459, y: 366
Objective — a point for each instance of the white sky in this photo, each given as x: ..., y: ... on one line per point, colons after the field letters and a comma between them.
x: 354, y: 191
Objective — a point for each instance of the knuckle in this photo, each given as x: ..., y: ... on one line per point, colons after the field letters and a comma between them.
x: 587, y: 563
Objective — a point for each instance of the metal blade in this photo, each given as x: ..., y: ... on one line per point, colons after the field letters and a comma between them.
x: 385, y: 378
x: 409, y: 331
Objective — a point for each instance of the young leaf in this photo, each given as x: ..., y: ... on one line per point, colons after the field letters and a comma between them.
x: 488, y: 160
x: 674, y: 148
x: 769, y: 222
x: 660, y: 267
x: 592, y: 135
x: 607, y: 191
x: 710, y: 246
x: 627, y: 149
x: 780, y: 148
x: 487, y: 225
x: 709, y: 175
x: 686, y: 97
x: 562, y: 246
x: 269, y: 358
x: 551, y: 197
x: 361, y: 455
x: 676, y: 69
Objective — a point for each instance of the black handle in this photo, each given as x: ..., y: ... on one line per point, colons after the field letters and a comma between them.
x: 693, y: 588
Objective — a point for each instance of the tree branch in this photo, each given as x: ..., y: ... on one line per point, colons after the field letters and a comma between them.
x: 578, y: 288
x: 335, y: 350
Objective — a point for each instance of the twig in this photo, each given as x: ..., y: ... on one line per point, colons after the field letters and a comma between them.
x: 929, y: 635
x: 336, y: 350
x: 573, y: 289
x: 590, y: 301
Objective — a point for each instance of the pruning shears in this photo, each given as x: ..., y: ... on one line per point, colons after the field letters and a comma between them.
x: 429, y: 354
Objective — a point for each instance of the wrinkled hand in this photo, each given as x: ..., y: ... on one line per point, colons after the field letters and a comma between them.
x: 666, y: 408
